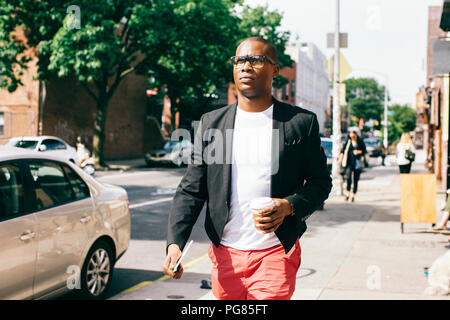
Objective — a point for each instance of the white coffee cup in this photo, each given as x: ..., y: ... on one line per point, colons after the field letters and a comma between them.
x: 258, y: 204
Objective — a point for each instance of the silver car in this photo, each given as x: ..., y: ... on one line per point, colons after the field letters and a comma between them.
x: 176, y: 153
x: 60, y: 229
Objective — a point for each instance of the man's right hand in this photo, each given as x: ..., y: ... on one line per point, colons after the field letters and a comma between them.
x: 173, y: 255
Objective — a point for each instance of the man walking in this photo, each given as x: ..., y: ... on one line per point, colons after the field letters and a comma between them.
x: 273, y: 151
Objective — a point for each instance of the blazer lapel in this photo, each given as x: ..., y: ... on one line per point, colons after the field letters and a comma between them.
x: 228, y: 130
x: 277, y: 148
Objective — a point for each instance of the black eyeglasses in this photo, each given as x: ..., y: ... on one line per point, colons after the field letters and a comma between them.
x: 256, y: 61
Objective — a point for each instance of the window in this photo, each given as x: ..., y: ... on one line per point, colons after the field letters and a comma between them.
x: 2, y: 123
x: 26, y: 144
x: 52, y: 144
x: 56, y: 184
x: 11, y: 191
x: 292, y: 88
x: 80, y: 189
x: 51, y: 185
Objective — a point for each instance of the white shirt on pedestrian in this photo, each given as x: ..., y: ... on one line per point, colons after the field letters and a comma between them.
x: 250, y: 179
x: 401, y: 152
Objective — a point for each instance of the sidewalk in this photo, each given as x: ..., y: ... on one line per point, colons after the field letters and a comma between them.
x: 350, y: 250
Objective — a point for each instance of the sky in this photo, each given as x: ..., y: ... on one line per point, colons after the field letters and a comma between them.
x: 387, y: 39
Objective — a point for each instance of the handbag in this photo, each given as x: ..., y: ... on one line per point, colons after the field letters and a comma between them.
x: 343, y: 167
x: 409, y: 155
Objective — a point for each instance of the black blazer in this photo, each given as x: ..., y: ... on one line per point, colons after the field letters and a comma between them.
x: 302, y: 176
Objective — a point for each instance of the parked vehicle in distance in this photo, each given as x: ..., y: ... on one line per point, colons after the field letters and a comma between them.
x: 171, y: 152
x: 60, y: 229
x: 373, y: 147
x: 327, y: 145
x: 47, y: 144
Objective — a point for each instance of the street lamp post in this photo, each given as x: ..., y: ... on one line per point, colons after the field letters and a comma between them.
x: 385, y: 134
x: 336, y: 107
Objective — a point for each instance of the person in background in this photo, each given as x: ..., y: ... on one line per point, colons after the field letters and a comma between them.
x: 404, y: 147
x: 384, y: 153
x: 351, y: 158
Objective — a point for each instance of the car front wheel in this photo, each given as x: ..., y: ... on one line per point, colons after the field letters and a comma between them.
x: 96, y: 275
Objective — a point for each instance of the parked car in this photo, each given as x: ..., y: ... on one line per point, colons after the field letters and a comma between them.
x: 47, y: 144
x: 373, y: 147
x: 327, y: 145
x: 60, y: 229
x: 171, y: 152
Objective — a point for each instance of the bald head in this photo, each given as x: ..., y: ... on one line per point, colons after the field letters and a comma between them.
x: 269, y: 48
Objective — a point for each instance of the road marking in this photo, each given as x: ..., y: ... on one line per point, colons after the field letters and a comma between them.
x: 163, y: 278
x: 136, y: 287
x: 147, y: 203
x: 187, y: 265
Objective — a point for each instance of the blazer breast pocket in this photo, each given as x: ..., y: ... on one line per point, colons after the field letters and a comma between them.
x: 293, y: 141
x: 292, y: 149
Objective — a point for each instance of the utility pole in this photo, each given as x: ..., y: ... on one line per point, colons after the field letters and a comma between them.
x: 336, y: 107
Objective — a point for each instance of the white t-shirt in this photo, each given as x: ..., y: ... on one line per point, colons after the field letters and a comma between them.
x: 250, y: 178
x: 401, y: 153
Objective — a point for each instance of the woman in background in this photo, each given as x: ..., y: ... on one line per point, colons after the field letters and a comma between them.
x: 352, y: 159
x: 404, y: 147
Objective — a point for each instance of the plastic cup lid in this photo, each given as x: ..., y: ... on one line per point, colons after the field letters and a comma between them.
x: 260, y: 203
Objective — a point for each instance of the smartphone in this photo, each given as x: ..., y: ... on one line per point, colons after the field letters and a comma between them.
x: 182, y: 255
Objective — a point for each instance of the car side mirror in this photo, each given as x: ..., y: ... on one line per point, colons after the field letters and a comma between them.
x: 42, y: 147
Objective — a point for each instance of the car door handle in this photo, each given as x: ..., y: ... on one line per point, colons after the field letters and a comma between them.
x: 85, y: 219
x: 27, y: 236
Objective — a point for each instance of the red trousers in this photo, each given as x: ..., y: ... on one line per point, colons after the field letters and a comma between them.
x: 268, y: 274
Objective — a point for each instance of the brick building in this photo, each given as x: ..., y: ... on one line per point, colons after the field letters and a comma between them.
x: 19, y: 111
x: 432, y: 104
x: 62, y: 108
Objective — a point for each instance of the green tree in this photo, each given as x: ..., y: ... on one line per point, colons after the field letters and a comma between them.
x: 97, y: 43
x: 365, y: 98
x: 184, y: 45
x: 184, y: 42
x: 262, y: 22
x: 198, y: 39
x: 402, y: 119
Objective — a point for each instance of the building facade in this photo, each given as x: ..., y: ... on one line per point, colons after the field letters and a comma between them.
x: 432, y: 103
x: 63, y: 108
x: 19, y: 111
x: 312, y: 80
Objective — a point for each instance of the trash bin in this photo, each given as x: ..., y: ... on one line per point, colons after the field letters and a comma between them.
x: 418, y: 199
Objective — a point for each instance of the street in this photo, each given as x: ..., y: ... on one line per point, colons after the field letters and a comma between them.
x: 346, y: 246
x: 150, y: 191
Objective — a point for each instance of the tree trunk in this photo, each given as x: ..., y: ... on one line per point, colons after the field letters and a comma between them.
x: 99, y: 132
x: 173, y: 111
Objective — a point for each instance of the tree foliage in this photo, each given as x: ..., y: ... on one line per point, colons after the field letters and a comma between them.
x: 183, y: 45
x: 402, y: 119
x: 365, y: 98
x: 259, y: 21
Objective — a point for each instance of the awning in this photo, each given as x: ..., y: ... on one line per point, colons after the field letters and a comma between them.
x: 445, y: 18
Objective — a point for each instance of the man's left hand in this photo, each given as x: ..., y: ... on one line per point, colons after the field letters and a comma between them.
x: 272, y: 217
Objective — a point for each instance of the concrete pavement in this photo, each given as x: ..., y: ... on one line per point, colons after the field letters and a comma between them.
x: 350, y: 250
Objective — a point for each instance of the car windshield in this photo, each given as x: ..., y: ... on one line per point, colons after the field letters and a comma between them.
x: 169, y: 145
x: 328, y: 148
x: 26, y: 144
